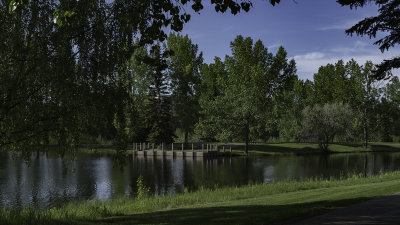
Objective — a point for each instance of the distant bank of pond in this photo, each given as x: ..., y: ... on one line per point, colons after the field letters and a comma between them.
x: 47, y: 180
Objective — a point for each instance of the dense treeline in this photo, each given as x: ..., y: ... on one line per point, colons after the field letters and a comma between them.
x: 68, y: 76
x: 254, y: 95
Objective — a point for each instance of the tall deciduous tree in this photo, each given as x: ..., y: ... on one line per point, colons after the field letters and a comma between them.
x: 366, y: 95
x: 184, y: 70
x: 251, y: 79
x: 213, y: 78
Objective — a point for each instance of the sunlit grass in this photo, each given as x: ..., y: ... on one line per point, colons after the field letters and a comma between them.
x: 266, y: 202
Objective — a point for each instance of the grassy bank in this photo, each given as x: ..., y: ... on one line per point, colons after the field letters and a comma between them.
x: 257, y: 204
x: 310, y: 148
x: 256, y: 149
x: 281, y: 148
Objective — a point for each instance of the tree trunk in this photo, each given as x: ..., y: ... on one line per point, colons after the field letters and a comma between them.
x: 247, y: 133
x: 365, y: 129
x: 324, y: 143
x: 186, y: 137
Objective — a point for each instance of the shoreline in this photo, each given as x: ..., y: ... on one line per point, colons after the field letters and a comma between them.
x: 255, y: 150
x: 259, y: 203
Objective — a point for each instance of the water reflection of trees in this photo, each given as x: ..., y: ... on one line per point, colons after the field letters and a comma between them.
x: 50, y: 180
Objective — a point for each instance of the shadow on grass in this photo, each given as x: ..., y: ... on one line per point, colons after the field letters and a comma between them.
x: 283, y: 148
x: 384, y: 148
x: 312, y: 148
x: 250, y: 214
x: 297, y: 149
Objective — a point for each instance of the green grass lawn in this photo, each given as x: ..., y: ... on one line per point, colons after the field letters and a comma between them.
x: 307, y: 148
x: 253, y: 204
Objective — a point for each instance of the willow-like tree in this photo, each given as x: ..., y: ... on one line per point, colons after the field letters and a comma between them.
x: 324, y: 122
x: 59, y: 61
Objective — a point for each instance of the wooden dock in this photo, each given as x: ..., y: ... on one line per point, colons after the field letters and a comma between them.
x: 203, y: 150
x: 180, y: 154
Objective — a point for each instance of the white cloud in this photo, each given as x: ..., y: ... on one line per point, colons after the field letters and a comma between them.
x: 274, y: 46
x: 339, y: 26
x: 308, y: 64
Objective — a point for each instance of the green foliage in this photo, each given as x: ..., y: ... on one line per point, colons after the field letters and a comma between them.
x: 238, y: 93
x: 142, y: 190
x: 62, y: 66
x: 327, y: 121
x: 383, y: 26
x: 184, y: 71
x: 72, y: 72
x: 158, y: 105
x: 149, y: 18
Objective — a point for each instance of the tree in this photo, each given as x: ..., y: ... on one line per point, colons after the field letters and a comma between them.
x: 332, y: 84
x: 389, y: 108
x: 158, y: 105
x: 59, y: 62
x: 145, y: 17
x: 294, y: 100
x: 149, y: 114
x: 213, y: 78
x: 184, y: 71
x: 252, y: 77
x: 325, y: 122
x: 386, y: 24
x: 365, y: 89
x: 351, y: 84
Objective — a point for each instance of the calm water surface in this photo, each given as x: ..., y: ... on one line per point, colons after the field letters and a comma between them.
x: 48, y: 180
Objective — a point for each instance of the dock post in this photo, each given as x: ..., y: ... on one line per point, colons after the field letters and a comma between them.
x: 152, y: 146
x: 172, y: 147
x: 192, y: 148
x: 135, y: 146
x: 223, y: 148
x: 202, y: 147
x: 182, y: 147
x: 148, y: 145
x: 162, y: 148
x: 207, y: 147
x: 230, y: 149
x: 216, y: 146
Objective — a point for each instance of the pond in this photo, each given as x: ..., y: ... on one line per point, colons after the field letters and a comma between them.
x: 47, y: 180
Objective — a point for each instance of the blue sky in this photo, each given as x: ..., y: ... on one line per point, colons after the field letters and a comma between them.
x: 311, y: 31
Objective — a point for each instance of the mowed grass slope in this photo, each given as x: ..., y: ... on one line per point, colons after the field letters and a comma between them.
x: 253, y: 204
x: 307, y: 148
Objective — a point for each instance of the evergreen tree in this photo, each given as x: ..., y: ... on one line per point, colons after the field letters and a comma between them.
x: 385, y: 26
x: 158, y: 104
